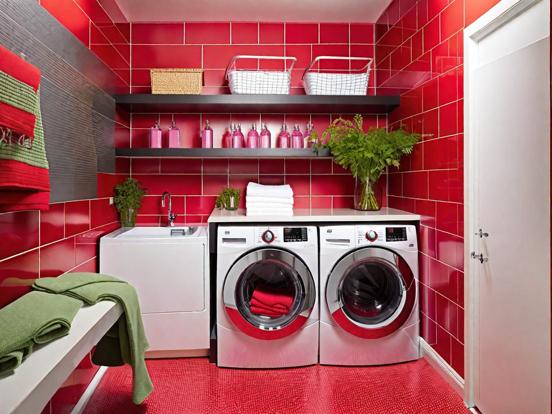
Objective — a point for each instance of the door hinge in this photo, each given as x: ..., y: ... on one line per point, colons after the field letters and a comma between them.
x: 480, y: 257
x: 482, y: 234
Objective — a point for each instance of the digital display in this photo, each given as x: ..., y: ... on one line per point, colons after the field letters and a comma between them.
x: 295, y: 234
x: 395, y: 234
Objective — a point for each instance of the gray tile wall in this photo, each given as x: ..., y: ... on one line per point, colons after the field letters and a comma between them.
x: 77, y: 107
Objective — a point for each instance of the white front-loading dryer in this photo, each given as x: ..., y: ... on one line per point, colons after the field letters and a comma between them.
x: 369, y: 294
x: 267, y: 296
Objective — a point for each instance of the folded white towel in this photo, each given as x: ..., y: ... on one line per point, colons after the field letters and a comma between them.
x: 269, y: 212
x: 268, y: 200
x: 270, y: 206
x: 254, y: 189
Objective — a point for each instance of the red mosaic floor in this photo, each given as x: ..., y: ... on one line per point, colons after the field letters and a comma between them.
x: 194, y: 386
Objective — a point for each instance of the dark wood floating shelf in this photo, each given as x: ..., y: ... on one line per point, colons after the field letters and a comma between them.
x: 221, y: 152
x: 321, y: 104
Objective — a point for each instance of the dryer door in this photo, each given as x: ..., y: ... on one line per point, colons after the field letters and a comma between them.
x: 269, y: 293
x: 371, y: 292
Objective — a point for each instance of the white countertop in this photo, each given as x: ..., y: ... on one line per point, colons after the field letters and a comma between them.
x: 48, y: 366
x: 315, y: 215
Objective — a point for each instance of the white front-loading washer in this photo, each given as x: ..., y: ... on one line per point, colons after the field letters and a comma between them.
x: 267, y: 296
x: 369, y: 294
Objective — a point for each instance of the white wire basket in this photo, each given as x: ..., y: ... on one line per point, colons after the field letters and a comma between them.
x: 346, y: 81
x: 250, y: 81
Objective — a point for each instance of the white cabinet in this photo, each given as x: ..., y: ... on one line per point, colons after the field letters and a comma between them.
x: 170, y: 274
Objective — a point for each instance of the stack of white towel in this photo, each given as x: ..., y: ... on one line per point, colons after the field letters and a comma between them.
x: 269, y: 200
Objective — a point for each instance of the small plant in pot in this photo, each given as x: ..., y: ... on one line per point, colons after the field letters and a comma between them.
x: 228, y: 199
x: 367, y: 154
x: 128, y: 199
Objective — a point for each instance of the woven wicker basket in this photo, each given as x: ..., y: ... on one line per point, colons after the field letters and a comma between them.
x: 176, y: 81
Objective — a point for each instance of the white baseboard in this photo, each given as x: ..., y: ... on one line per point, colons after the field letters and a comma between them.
x: 441, y: 366
x: 87, y: 394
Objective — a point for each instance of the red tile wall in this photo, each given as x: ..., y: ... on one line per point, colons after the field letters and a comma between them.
x: 92, y: 25
x: 46, y: 244
x: 419, y: 53
x: 210, y: 46
x: 195, y: 183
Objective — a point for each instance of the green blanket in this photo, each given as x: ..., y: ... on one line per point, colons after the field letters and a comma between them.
x: 35, y: 318
x: 126, y: 342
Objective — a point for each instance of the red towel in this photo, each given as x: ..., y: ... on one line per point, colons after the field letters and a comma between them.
x: 19, y: 121
x: 265, y: 312
x: 270, y: 303
x: 24, y: 176
x: 271, y: 298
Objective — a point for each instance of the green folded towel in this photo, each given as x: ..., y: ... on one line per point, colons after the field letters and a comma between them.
x: 35, y: 318
x: 126, y: 342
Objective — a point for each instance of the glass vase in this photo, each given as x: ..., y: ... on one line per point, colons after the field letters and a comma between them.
x: 233, y: 203
x: 128, y: 217
x: 366, y: 198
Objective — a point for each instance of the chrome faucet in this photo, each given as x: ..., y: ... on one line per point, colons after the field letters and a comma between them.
x: 170, y: 215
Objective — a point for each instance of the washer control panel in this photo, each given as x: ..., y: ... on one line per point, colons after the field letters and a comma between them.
x: 298, y: 236
x: 295, y: 234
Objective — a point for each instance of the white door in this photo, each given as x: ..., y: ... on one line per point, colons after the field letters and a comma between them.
x: 508, y: 196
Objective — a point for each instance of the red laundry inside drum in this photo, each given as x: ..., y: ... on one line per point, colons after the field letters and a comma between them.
x: 268, y: 303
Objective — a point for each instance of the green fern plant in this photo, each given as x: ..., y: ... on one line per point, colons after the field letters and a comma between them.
x: 367, y: 154
x: 128, y: 199
x: 229, y: 199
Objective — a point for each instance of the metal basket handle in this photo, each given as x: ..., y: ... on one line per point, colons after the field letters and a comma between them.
x: 319, y: 58
x: 259, y: 57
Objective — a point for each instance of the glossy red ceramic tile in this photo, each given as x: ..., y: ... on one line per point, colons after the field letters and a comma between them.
x: 301, y: 33
x: 52, y: 223
x: 200, y: 205
x: 101, y: 212
x: 431, y: 34
x: 57, y: 258
x: 166, y: 56
x: 271, y: 166
x: 189, y: 166
x: 77, y: 217
x: 158, y: 33
x: 334, y: 33
x: 245, y: 33
x: 207, y: 33
x: 18, y: 232
x: 17, y: 275
x: 271, y: 33
x: 174, y: 184
x: 214, y: 184
x: 442, y: 343
x: 362, y: 33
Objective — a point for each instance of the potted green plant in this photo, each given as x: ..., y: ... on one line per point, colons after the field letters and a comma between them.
x: 128, y: 199
x: 366, y: 154
x: 229, y: 199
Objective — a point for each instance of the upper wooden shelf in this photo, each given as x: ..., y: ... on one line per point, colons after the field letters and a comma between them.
x: 321, y: 104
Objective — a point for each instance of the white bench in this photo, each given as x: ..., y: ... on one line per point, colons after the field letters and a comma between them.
x: 34, y: 383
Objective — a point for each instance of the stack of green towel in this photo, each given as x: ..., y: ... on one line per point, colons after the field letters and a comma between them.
x: 46, y: 314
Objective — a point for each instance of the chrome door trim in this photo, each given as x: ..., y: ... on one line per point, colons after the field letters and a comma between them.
x: 272, y: 328
x: 345, y: 265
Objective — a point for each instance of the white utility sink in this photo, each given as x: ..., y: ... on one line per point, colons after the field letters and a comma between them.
x: 159, y: 232
x: 169, y: 267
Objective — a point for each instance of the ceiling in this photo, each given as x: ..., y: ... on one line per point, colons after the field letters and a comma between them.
x: 253, y: 10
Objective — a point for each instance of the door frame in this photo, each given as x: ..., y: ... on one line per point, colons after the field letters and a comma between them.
x: 504, y: 12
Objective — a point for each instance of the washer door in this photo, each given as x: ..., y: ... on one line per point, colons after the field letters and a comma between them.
x: 269, y: 293
x: 371, y: 292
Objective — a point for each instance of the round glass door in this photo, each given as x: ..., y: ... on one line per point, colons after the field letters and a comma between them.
x: 269, y: 293
x: 370, y: 292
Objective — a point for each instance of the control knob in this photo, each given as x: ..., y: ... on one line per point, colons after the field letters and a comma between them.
x: 268, y: 236
x: 371, y: 235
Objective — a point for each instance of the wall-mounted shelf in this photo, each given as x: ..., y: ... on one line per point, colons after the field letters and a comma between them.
x: 221, y: 152
x: 257, y: 103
